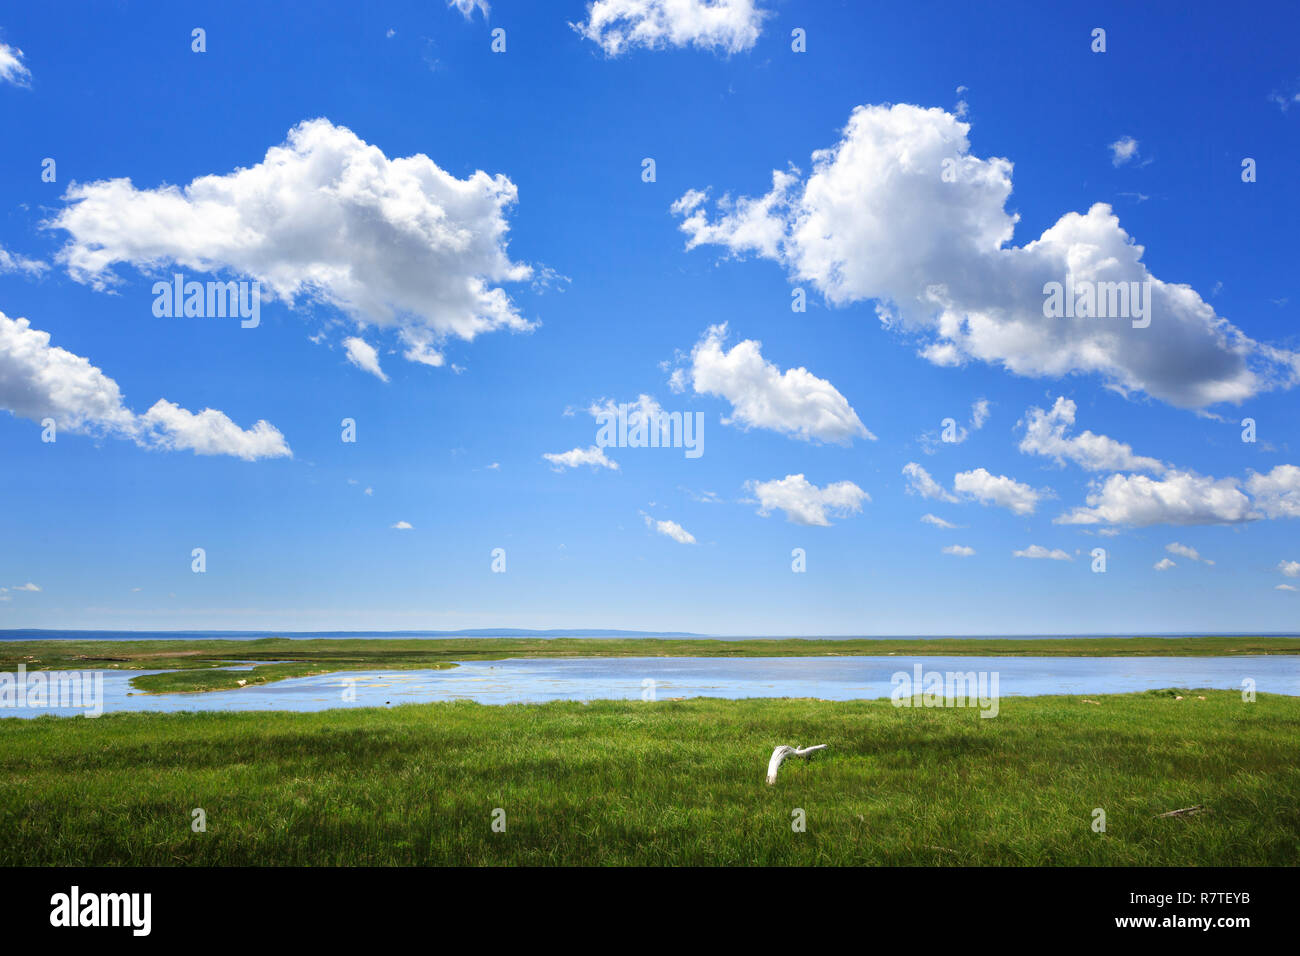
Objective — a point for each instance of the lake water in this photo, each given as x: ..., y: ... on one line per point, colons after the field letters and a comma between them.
x: 830, y: 678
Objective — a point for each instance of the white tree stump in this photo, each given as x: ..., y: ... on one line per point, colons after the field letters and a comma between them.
x: 780, y: 753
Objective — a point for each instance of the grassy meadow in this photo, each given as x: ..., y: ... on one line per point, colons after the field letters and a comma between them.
x: 659, y: 783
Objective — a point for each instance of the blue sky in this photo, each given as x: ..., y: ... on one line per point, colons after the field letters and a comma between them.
x: 557, y: 278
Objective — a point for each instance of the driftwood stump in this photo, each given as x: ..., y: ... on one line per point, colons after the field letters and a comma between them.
x: 780, y: 753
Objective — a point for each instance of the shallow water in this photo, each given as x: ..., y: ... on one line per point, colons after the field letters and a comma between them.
x: 829, y: 678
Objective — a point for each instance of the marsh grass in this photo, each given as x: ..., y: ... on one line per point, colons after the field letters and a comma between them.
x: 629, y: 782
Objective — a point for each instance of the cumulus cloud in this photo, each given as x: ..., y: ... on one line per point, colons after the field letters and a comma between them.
x: 39, y: 380
x: 401, y: 526
x: 620, y: 25
x: 990, y: 489
x: 594, y: 456
x: 804, y: 503
x: 1037, y: 551
x: 1289, y: 568
x: 363, y: 355
x: 26, y: 587
x: 210, y: 432
x: 1164, y: 564
x: 878, y: 219
x: 12, y: 68
x: 976, y: 485
x: 1123, y: 150
x: 1180, y: 498
x: 670, y: 529
x: 959, y: 550
x: 1045, y: 435
x: 1277, y: 493
x: 1187, y: 498
x: 325, y: 217
x: 794, y: 402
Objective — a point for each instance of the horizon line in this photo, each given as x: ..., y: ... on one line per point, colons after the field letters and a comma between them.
x: 614, y: 632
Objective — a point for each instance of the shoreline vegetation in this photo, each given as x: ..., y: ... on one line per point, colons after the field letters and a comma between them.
x: 195, y: 666
x: 664, y: 783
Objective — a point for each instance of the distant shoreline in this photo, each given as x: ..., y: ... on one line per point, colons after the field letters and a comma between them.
x: 103, y: 634
x: 198, y: 665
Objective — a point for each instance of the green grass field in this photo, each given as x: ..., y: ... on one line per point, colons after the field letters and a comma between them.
x: 632, y: 782
x: 191, y: 662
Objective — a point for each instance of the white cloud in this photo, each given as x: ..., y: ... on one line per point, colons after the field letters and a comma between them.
x: 937, y: 521
x: 1187, y: 498
x: 1037, y: 551
x: 594, y: 456
x: 1180, y: 498
x: 1285, y: 587
x: 1186, y: 551
x: 467, y: 7
x: 210, y: 432
x: 324, y: 217
x: 979, y: 414
x: 976, y: 485
x: 1289, y: 568
x: 876, y: 220
x: 1164, y: 564
x: 959, y: 550
x: 401, y: 526
x: 1045, y: 435
x: 997, y: 490
x: 26, y: 587
x: 12, y: 262
x: 920, y: 483
x: 39, y: 381
x: 1123, y: 150
x: 794, y: 402
x: 670, y: 529
x: 363, y: 355
x: 1277, y: 493
x: 619, y: 25
x: 804, y: 503
x: 12, y: 68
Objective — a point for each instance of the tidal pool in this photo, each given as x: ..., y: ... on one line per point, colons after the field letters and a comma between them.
x: 631, y: 678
